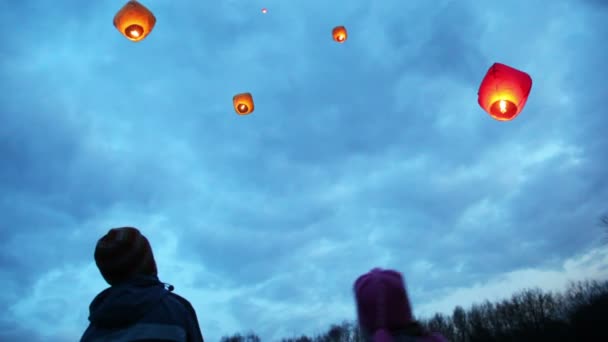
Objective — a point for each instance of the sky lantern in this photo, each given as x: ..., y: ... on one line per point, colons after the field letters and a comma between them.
x: 504, y: 91
x: 339, y: 34
x: 243, y: 103
x: 134, y: 21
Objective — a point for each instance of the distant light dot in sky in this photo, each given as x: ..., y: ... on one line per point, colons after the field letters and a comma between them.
x: 264, y: 10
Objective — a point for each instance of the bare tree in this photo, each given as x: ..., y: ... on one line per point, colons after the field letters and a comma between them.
x: 250, y: 337
x: 302, y: 338
x: 442, y: 324
x: 459, y: 318
x: 477, y: 322
x: 338, y: 333
x: 234, y: 338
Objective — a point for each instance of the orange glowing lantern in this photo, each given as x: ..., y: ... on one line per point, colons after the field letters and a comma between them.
x: 134, y: 21
x: 504, y: 91
x: 243, y: 103
x: 339, y: 34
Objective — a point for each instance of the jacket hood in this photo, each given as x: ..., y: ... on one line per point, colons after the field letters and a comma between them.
x: 126, y: 303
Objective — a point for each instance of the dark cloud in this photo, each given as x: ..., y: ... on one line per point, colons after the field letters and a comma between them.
x: 597, y: 3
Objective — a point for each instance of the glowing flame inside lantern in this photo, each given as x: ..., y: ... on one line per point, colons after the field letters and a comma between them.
x: 243, y: 103
x: 134, y: 31
x: 242, y: 108
x: 339, y: 34
x: 503, y: 109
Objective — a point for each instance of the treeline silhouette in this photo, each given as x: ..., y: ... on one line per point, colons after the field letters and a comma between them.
x: 580, y: 313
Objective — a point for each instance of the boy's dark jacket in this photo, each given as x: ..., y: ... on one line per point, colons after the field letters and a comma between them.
x: 141, y: 309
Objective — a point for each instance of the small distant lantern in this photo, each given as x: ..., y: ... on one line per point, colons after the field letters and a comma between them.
x: 264, y: 10
x: 134, y: 21
x: 504, y: 91
x: 339, y: 34
x: 243, y: 103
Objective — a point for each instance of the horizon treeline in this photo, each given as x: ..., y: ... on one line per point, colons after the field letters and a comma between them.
x: 579, y: 313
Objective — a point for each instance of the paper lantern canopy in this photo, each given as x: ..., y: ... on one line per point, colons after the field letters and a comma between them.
x: 339, y: 34
x: 243, y: 103
x: 504, y: 91
x: 134, y: 21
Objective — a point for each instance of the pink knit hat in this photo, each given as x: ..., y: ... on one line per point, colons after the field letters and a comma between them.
x: 382, y: 303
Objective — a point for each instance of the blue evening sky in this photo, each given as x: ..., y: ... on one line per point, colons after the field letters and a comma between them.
x: 369, y: 153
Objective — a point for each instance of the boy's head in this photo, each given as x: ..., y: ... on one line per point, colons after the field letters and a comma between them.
x: 123, y: 253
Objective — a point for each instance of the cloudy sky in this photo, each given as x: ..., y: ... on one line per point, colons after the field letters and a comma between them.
x: 368, y: 153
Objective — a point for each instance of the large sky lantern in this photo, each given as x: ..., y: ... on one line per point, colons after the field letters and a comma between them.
x: 504, y: 91
x: 134, y: 21
x: 243, y: 103
x: 339, y: 34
